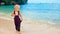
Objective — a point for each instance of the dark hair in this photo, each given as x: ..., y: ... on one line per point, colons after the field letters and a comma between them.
x: 18, y: 12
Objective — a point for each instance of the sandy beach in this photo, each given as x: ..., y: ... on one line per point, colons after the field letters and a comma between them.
x: 38, y: 18
x: 27, y: 27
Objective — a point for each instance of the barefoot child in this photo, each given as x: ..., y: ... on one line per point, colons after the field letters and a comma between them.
x: 17, y: 17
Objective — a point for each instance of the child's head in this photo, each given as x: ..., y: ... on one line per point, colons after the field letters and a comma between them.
x: 16, y: 7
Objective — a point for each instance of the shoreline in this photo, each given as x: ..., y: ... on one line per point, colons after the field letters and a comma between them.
x: 7, y: 27
x: 29, y: 20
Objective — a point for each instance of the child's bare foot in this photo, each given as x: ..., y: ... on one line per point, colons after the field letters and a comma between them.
x: 18, y: 32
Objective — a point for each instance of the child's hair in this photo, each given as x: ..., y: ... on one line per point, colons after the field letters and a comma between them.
x: 17, y: 6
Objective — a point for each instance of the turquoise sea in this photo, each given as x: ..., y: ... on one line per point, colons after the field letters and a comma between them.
x: 40, y: 11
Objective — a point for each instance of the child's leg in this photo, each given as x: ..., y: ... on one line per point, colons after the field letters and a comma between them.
x: 17, y: 26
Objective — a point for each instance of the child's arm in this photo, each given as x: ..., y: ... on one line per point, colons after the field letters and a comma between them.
x: 20, y: 16
x: 13, y: 14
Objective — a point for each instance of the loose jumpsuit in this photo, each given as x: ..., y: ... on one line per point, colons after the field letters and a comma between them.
x: 17, y: 21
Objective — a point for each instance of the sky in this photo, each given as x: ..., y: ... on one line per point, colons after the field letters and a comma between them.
x: 43, y: 1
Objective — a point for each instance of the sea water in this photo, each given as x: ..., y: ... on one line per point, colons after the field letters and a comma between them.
x: 40, y: 11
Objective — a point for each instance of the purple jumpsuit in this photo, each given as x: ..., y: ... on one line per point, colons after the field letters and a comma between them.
x: 17, y: 21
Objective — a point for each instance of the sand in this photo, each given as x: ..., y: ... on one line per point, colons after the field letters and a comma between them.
x: 7, y: 27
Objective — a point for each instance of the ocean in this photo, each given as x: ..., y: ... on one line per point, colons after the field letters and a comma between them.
x: 38, y: 11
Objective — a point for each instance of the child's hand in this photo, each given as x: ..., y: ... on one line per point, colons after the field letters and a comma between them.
x: 20, y: 18
x: 13, y: 14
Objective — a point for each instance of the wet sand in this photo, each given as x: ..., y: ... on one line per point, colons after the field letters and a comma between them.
x: 27, y: 27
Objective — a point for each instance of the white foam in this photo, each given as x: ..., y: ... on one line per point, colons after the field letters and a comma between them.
x: 6, y: 18
x: 51, y: 23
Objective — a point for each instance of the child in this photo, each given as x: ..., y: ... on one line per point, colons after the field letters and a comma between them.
x: 17, y: 17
